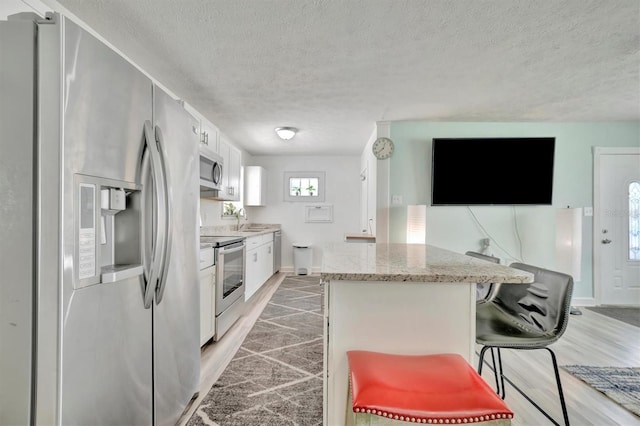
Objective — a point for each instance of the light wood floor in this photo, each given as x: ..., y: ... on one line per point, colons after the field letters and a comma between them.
x: 216, y: 356
x: 590, y: 339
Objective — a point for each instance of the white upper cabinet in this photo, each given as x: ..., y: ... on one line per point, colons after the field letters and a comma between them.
x: 208, y: 131
x: 234, y: 168
x: 231, y: 161
x: 255, y: 186
x: 209, y: 135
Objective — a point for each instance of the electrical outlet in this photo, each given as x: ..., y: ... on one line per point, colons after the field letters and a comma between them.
x: 588, y: 211
x: 396, y: 199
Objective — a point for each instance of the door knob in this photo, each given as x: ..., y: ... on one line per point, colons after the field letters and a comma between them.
x: 606, y: 241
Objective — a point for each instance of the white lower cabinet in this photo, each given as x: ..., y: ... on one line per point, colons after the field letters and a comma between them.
x: 251, y: 283
x: 207, y: 303
x: 259, y: 263
x: 267, y: 261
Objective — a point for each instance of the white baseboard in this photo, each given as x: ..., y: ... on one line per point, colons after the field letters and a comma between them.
x: 583, y: 301
x: 289, y: 270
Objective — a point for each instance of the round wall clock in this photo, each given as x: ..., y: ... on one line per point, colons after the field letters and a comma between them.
x: 382, y: 148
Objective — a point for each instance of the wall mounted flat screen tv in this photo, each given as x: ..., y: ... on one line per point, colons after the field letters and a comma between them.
x: 492, y: 171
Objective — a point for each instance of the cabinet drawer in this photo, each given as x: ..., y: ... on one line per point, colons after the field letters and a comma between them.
x: 206, y: 257
x: 253, y: 242
x: 266, y: 238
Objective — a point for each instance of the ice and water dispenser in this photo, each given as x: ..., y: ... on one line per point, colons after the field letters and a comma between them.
x: 109, y: 231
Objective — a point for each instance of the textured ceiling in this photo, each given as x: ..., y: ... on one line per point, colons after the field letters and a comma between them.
x: 332, y: 68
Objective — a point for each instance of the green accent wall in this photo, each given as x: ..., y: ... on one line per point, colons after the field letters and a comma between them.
x: 521, y: 233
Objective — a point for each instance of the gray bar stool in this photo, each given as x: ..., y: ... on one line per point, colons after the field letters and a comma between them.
x: 526, y: 317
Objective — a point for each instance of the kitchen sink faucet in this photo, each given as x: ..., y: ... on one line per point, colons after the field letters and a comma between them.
x: 240, y: 213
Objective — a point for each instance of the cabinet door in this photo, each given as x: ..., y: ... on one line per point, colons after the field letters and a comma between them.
x: 234, y: 172
x: 266, y: 262
x: 207, y: 308
x: 231, y: 158
x: 255, y: 186
x: 224, y: 151
x: 209, y: 135
x: 252, y: 272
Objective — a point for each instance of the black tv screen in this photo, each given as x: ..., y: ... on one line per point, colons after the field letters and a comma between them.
x: 492, y: 171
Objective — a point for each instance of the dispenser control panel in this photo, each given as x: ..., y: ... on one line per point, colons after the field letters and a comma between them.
x: 87, y: 231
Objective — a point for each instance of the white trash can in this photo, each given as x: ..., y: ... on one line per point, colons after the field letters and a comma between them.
x: 302, y: 258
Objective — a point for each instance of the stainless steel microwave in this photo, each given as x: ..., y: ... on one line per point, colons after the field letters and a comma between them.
x: 210, y: 170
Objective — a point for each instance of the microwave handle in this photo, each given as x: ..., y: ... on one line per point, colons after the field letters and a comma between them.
x: 216, y: 173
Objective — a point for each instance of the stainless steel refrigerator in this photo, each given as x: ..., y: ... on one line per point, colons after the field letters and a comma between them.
x: 99, y: 293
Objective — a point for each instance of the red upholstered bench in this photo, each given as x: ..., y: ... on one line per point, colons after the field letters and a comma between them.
x: 432, y: 389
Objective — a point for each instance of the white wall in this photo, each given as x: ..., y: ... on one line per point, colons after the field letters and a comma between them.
x: 521, y: 232
x: 368, y: 168
x: 383, y: 186
x: 211, y: 213
x: 342, y: 191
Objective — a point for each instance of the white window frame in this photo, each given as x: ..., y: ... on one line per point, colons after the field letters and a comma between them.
x: 318, y: 198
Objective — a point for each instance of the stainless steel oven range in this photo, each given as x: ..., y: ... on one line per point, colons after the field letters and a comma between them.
x: 229, y: 288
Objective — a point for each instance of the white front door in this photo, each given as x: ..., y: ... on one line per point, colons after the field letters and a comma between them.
x: 616, y: 251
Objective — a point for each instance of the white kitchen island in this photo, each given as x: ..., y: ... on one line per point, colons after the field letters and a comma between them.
x: 398, y: 298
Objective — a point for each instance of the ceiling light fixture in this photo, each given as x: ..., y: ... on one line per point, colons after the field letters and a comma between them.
x: 286, y: 133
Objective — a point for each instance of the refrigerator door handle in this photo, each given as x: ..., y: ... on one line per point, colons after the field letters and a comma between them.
x: 152, y: 158
x: 168, y: 228
x: 148, y: 247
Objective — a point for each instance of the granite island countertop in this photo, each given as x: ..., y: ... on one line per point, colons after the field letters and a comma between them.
x: 411, y: 262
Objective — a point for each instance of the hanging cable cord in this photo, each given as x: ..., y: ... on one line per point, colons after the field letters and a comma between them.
x: 517, y: 231
x: 491, y: 238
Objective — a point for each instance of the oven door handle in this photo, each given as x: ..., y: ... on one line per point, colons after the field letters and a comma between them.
x: 222, y: 251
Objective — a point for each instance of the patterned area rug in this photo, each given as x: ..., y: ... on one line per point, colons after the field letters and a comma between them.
x: 275, y: 377
x: 624, y: 314
x: 618, y: 383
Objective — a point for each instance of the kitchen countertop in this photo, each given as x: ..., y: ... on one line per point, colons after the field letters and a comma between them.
x: 246, y: 230
x: 411, y: 262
